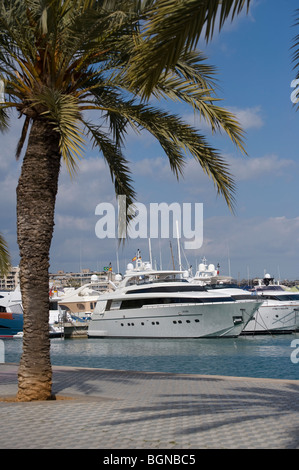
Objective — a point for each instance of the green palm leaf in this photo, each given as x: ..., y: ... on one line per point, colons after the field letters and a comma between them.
x: 173, y: 27
x: 4, y: 257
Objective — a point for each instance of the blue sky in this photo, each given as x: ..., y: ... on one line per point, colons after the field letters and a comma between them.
x: 255, y: 70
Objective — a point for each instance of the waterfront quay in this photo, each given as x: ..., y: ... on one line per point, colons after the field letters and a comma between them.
x: 111, y: 409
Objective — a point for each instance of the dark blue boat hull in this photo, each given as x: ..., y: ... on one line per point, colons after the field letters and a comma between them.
x: 10, y: 324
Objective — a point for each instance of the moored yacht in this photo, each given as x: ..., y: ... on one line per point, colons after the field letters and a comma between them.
x: 279, y: 309
x: 279, y: 312
x: 163, y: 304
x: 11, y: 314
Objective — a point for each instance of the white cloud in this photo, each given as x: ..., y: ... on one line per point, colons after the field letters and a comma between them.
x: 73, y: 223
x: 258, y: 243
x: 249, y: 118
x: 249, y: 168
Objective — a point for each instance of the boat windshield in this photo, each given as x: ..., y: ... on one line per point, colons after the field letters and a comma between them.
x: 168, y: 288
x: 224, y: 285
x: 269, y: 288
x: 155, y: 278
x: 282, y: 297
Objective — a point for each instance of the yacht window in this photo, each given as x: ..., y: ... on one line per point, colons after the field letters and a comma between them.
x: 284, y: 297
x: 138, y: 303
x: 244, y: 297
x: 64, y: 307
x: 114, y: 304
x: 180, y: 288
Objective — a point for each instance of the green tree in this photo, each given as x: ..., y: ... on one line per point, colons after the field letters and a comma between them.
x: 63, y: 61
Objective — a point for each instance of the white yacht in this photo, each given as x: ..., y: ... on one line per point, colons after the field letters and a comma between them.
x: 279, y: 312
x: 163, y: 304
x: 279, y: 309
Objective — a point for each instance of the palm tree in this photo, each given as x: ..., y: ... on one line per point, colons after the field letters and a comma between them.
x: 4, y: 257
x: 61, y: 61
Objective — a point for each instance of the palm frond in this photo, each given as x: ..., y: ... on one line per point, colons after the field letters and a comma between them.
x: 5, y: 261
x: 118, y: 165
x: 4, y: 120
x: 119, y: 171
x: 172, y: 27
x: 178, y: 140
x: 295, y: 47
x: 203, y: 103
x: 63, y: 112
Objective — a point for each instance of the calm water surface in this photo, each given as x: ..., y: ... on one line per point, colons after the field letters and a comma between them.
x: 258, y: 356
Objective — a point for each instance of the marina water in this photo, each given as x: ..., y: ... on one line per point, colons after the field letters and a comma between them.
x: 265, y: 356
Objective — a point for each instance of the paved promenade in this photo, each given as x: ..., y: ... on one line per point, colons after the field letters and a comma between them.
x: 107, y: 409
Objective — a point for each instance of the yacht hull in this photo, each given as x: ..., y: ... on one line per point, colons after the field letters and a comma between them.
x: 274, y: 317
x: 174, y: 321
x: 10, y: 324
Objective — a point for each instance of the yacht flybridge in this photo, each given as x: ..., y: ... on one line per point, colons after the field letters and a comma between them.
x: 163, y: 304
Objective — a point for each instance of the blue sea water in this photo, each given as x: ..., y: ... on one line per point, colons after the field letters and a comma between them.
x: 246, y: 356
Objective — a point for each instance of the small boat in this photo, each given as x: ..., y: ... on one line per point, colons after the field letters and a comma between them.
x: 164, y: 304
x: 11, y: 313
x: 56, y: 317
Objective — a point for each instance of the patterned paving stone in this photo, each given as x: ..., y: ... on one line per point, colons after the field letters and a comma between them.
x: 136, y: 410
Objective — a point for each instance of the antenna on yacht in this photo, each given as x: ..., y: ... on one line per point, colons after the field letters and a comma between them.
x: 117, y: 262
x: 179, y: 250
x: 150, y: 251
x: 228, y: 255
x: 160, y: 255
x: 171, y: 254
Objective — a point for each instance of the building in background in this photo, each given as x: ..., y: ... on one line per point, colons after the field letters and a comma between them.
x: 10, y: 281
x: 77, y: 279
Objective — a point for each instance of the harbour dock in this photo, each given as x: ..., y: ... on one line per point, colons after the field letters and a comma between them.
x: 111, y: 409
x: 75, y: 330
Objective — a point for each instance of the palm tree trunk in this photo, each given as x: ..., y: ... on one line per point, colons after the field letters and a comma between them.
x: 36, y: 195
